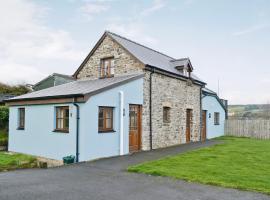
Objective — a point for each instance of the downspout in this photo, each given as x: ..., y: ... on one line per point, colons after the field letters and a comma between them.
x: 77, y: 128
x: 201, y: 113
x: 121, y: 113
x: 150, y: 109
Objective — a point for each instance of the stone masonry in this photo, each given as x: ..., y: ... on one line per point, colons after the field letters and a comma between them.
x: 123, y: 61
x: 166, y: 91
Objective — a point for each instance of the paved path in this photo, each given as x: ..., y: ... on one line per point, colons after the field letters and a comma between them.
x: 107, y: 179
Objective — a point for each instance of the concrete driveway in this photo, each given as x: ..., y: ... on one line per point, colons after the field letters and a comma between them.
x: 107, y: 179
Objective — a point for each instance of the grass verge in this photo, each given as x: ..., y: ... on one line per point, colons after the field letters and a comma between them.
x: 240, y: 163
x: 12, y: 161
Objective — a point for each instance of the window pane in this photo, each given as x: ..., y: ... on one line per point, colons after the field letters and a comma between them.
x: 109, y: 113
x: 66, y: 112
x: 66, y: 123
x: 108, y: 124
x: 100, y: 123
x: 59, y: 124
x: 100, y: 114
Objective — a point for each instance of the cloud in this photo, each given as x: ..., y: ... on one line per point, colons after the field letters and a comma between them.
x: 29, y: 48
x: 251, y: 29
x: 89, y: 9
x: 132, y: 30
x: 157, y: 5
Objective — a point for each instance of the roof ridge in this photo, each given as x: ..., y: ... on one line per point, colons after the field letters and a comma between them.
x: 139, y: 44
x: 180, y: 59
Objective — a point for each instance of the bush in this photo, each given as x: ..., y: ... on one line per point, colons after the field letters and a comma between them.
x: 4, y: 115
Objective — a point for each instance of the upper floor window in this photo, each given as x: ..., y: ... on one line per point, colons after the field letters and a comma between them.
x: 166, y: 114
x: 62, y: 119
x: 106, y: 67
x: 21, y: 124
x: 105, y: 119
x: 216, y: 118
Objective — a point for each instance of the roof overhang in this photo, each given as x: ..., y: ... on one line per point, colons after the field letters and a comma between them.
x: 174, y: 75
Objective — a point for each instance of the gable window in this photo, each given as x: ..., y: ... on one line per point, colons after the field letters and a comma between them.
x: 62, y: 119
x: 21, y: 124
x: 216, y: 118
x: 166, y: 114
x: 106, y: 68
x: 105, y: 119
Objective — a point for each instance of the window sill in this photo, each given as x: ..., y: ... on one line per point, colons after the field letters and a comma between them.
x: 20, y: 128
x: 103, y: 77
x: 107, y: 131
x: 60, y: 131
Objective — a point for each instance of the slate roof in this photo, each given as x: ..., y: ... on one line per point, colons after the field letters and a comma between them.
x: 4, y: 97
x: 146, y: 55
x: 54, y: 75
x: 207, y: 90
x: 78, y: 88
x: 152, y: 57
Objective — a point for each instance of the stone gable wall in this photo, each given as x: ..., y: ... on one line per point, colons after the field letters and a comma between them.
x: 123, y: 61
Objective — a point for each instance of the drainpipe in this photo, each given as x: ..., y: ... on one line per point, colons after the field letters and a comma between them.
x: 121, y: 112
x: 201, y: 114
x: 77, y: 128
x: 150, y: 109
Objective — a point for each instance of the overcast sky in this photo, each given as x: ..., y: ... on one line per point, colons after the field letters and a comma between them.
x: 226, y: 40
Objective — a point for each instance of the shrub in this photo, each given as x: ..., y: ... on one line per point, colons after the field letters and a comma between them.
x: 4, y: 115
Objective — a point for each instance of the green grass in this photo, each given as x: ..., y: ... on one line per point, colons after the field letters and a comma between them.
x: 11, y: 161
x: 240, y: 163
x: 3, y: 138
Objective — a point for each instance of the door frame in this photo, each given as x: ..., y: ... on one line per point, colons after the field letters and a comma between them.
x: 204, y: 128
x: 188, y: 122
x: 139, y: 127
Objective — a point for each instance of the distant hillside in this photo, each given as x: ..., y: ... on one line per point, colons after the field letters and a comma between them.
x: 249, y: 111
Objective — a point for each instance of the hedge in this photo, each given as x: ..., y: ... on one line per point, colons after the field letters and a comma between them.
x: 4, y: 115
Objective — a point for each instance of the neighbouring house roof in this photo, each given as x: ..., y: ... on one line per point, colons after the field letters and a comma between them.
x: 4, y: 97
x: 146, y: 55
x: 52, y: 76
x: 78, y: 88
x: 208, y: 92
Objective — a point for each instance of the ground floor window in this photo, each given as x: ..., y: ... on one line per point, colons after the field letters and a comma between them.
x: 21, y: 124
x: 166, y: 114
x: 105, y: 119
x: 62, y: 118
x: 216, y: 118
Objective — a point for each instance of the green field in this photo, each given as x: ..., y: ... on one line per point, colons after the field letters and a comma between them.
x: 240, y: 163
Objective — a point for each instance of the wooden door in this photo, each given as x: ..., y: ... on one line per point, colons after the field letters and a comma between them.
x: 134, y: 128
x: 203, y: 131
x: 188, y: 124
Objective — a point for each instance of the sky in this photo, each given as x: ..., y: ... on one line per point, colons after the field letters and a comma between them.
x: 228, y: 41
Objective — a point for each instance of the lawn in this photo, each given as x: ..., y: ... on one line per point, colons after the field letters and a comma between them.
x: 11, y: 161
x: 240, y: 163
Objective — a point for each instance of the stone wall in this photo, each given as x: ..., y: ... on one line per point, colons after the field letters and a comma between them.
x: 123, y: 61
x: 177, y: 95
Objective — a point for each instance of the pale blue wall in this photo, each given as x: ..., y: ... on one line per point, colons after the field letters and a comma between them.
x: 39, y: 139
x: 95, y: 145
x: 212, y: 105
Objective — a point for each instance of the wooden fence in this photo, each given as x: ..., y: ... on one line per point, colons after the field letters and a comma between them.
x: 256, y: 128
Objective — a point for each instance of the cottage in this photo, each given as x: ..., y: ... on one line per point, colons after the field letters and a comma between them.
x: 214, y: 111
x: 52, y: 80
x: 126, y: 98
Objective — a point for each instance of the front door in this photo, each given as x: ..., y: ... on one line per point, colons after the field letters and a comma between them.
x: 134, y: 128
x: 188, y: 124
x: 204, y: 125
